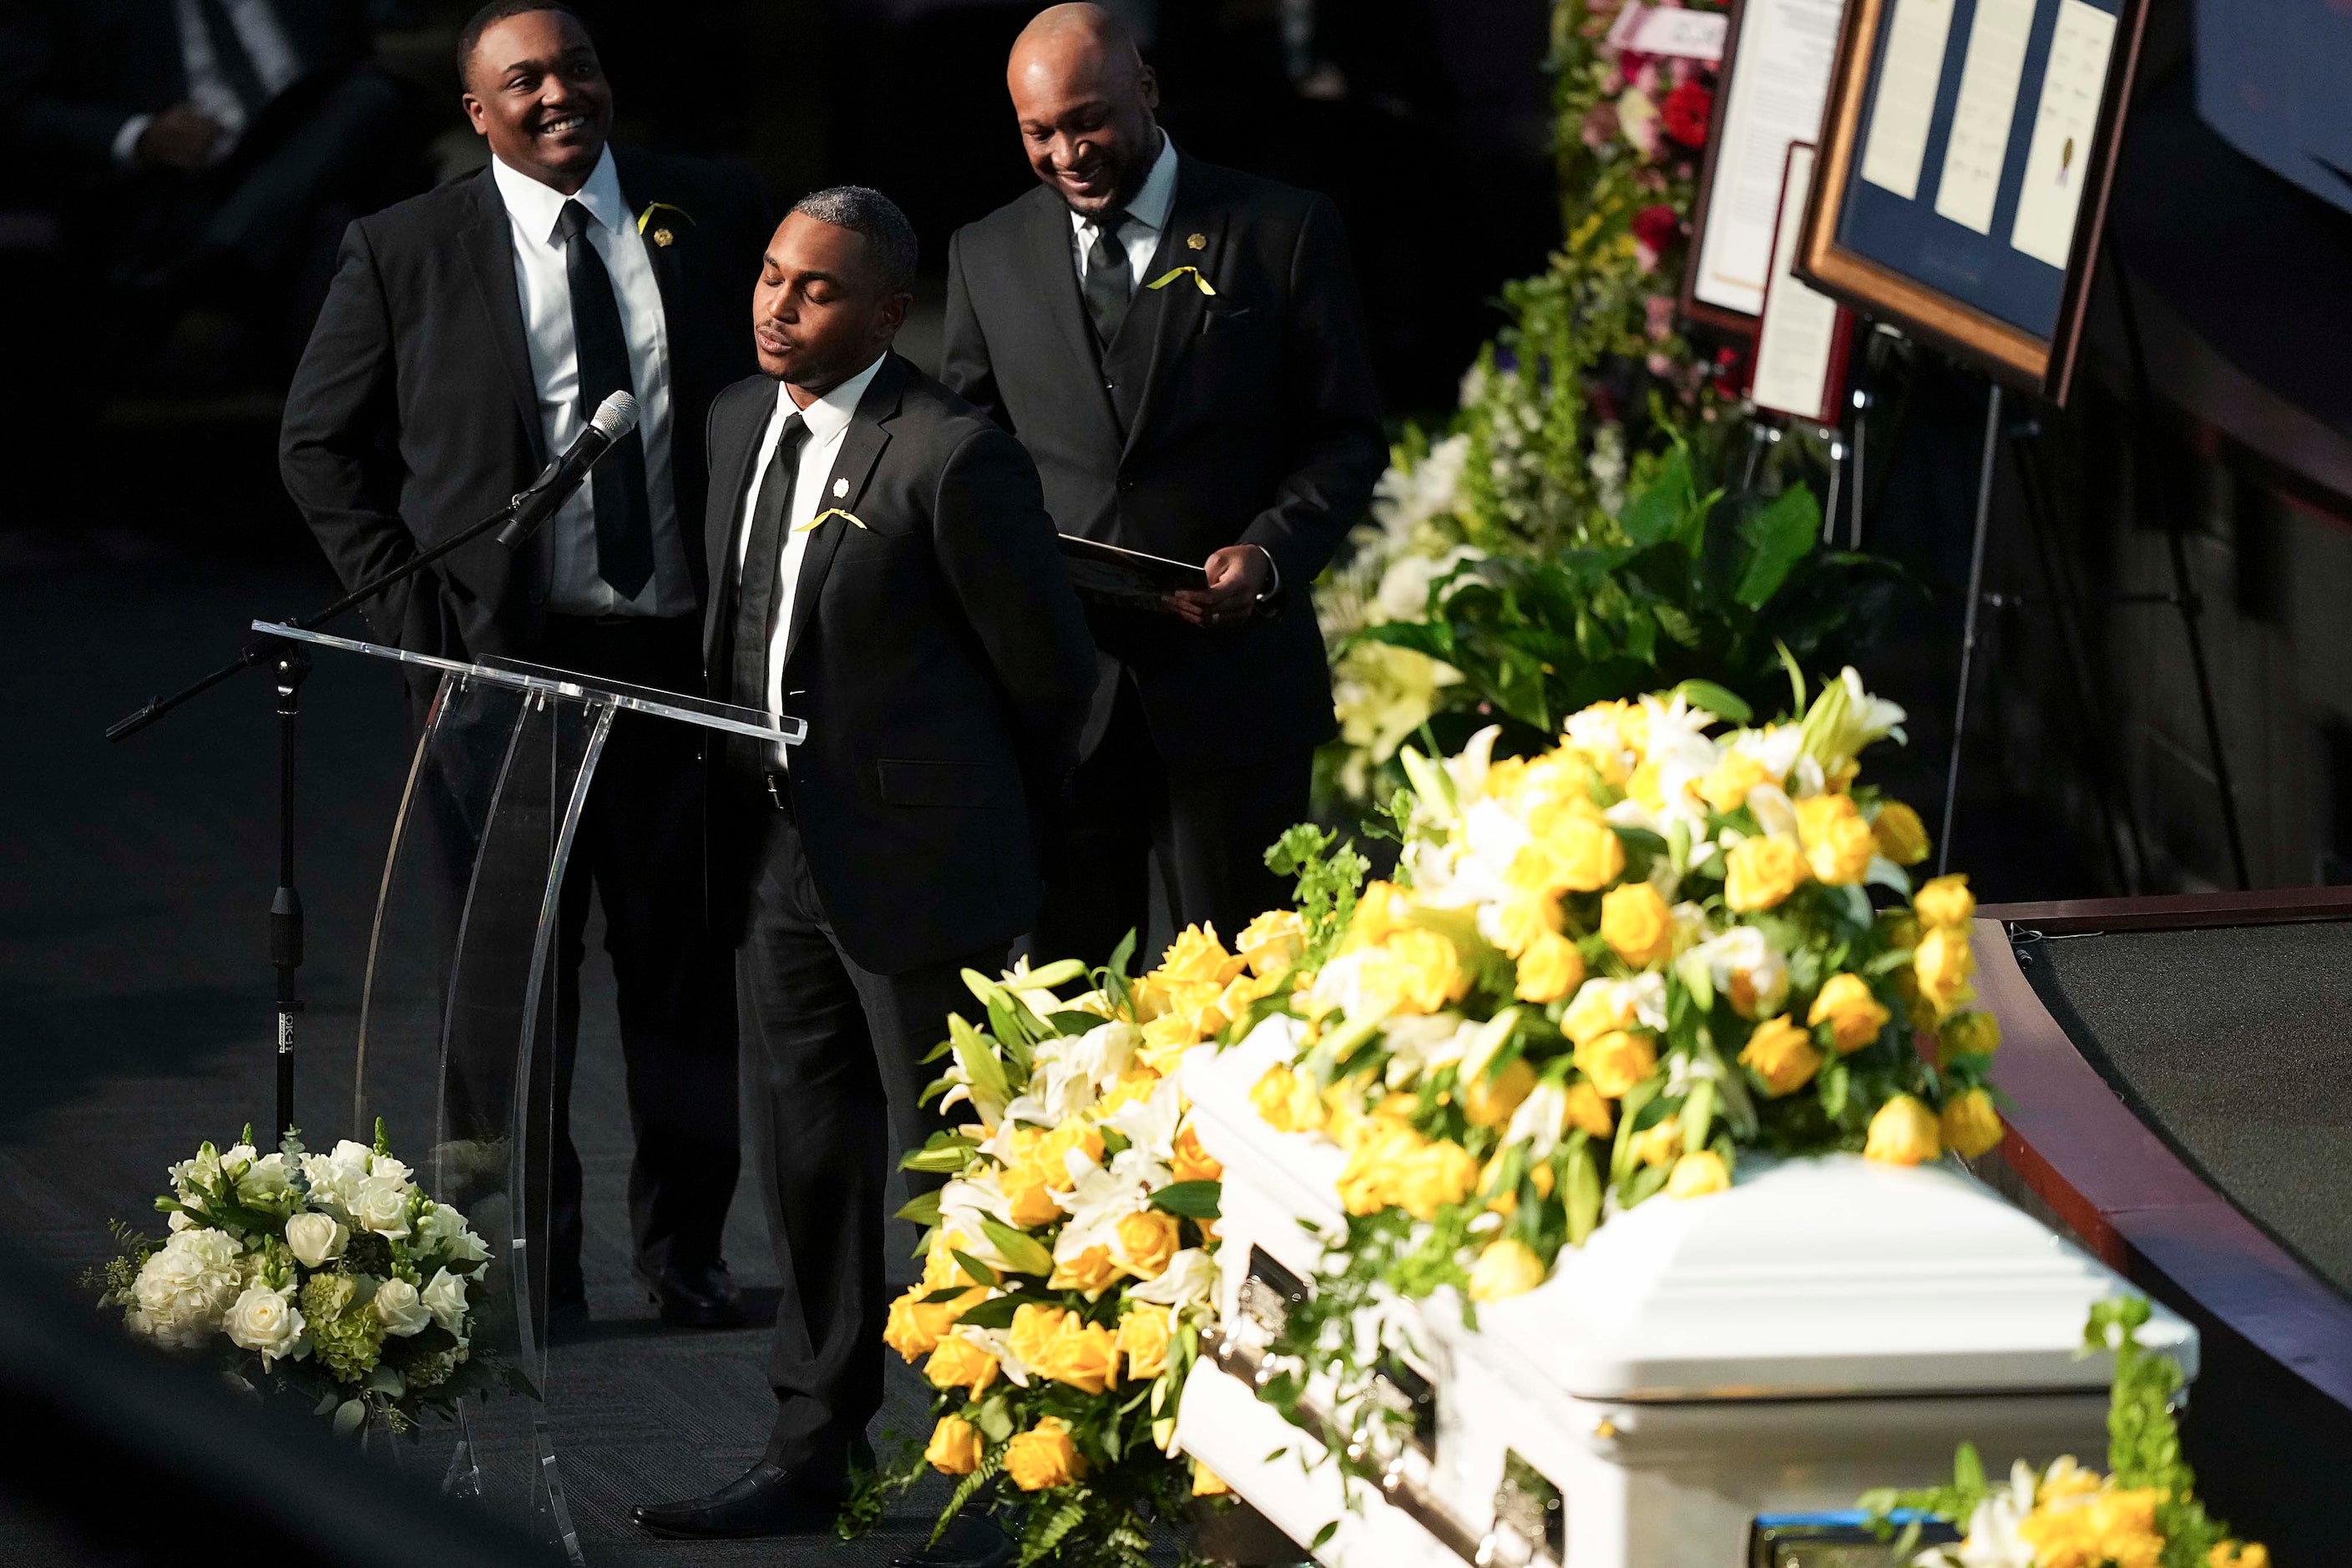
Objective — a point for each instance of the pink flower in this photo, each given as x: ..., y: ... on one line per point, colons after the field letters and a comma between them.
x: 1660, y: 311
x: 1661, y: 367
x: 1646, y: 77
x: 1599, y: 126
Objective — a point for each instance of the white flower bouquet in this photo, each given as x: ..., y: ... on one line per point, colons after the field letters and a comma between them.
x: 328, y: 1277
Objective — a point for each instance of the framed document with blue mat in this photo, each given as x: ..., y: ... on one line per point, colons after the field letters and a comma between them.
x: 1967, y: 151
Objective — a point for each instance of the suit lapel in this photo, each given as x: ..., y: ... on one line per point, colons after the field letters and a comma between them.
x: 1049, y: 240
x: 723, y: 509
x: 490, y: 250
x: 1174, y: 311
x: 664, y: 255
x: 861, y: 448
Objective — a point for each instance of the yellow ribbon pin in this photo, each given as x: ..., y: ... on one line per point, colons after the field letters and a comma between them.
x: 645, y: 217
x: 1170, y: 276
x: 842, y: 513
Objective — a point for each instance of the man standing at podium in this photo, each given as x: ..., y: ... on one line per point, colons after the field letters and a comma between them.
x: 1181, y: 349
x: 470, y: 334
x: 884, y: 570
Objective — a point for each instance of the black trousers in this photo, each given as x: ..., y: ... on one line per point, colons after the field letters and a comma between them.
x: 832, y: 1068
x: 639, y: 851
x: 1208, y: 829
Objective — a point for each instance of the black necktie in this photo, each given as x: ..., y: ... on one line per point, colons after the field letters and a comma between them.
x: 625, y: 529
x: 755, y: 594
x: 229, y: 54
x: 1110, y: 284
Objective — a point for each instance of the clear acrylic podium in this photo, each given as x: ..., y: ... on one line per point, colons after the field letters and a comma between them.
x: 458, y: 1016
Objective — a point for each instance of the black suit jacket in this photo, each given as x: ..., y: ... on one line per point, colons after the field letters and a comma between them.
x: 72, y: 72
x: 1245, y: 416
x: 415, y: 413
x: 940, y: 660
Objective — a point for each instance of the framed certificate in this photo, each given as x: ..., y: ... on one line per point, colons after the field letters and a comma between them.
x: 1775, y: 78
x: 1802, y: 336
x: 1967, y: 148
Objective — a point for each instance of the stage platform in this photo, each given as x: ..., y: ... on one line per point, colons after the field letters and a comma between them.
x: 134, y: 1000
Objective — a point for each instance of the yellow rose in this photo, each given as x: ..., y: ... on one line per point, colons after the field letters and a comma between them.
x: 1272, y: 942
x: 1761, y: 872
x: 1150, y: 1238
x: 1166, y: 1038
x: 1523, y: 919
x: 1838, y: 844
x: 1192, y: 1163
x: 1439, y: 1175
x: 1642, y: 786
x: 960, y: 1364
x: 1549, y: 968
x: 1946, y: 903
x: 1853, y: 1014
x: 1616, y: 1061
x: 1506, y: 1268
x: 1661, y: 1144
x: 1030, y: 1194
x: 1489, y: 1101
x: 1582, y: 851
x: 1382, y: 908
x: 1589, y: 1110
x: 1054, y: 1150
x: 1426, y: 970
x: 1091, y: 1271
x: 1197, y: 957
x: 954, y: 1448
x: 1085, y: 1357
x: 914, y: 1326
x: 1902, y: 837
x: 1782, y: 1055
x: 1635, y: 922
x: 1240, y: 992
x: 1942, y: 965
x: 1969, y: 1035
x: 940, y: 1268
x: 1725, y: 789
x: 1043, y: 1457
x: 1904, y: 1133
x: 1270, y: 1097
x: 1034, y: 1328
x: 1206, y: 1482
x: 1382, y: 1150
x: 1598, y: 1008
x: 2239, y: 1554
x: 1970, y: 1123
x: 1696, y: 1176
x: 1143, y: 1336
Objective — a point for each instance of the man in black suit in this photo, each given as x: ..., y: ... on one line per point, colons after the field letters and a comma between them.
x: 889, y: 575
x: 470, y: 334
x: 1180, y: 348
x: 211, y: 144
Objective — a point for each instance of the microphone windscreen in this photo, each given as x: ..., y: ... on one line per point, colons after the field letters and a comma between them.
x: 615, y: 416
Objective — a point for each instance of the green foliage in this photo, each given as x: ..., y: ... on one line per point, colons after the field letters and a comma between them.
x: 1702, y: 588
x: 1328, y: 881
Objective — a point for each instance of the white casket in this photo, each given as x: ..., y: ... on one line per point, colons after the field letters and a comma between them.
x: 1825, y: 1327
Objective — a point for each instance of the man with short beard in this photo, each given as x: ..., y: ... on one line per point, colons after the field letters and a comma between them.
x: 884, y: 570
x: 1181, y: 349
x: 469, y: 335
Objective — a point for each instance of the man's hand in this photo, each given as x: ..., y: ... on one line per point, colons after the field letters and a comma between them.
x: 180, y: 137
x: 1239, y: 576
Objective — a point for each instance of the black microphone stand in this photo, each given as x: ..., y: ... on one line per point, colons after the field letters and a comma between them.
x: 290, y: 664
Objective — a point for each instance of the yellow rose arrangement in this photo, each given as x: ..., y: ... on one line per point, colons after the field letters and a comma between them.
x: 1069, y: 1265
x: 2143, y: 1513
x: 1602, y: 974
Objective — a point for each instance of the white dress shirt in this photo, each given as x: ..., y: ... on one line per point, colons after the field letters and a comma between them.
x: 545, y: 284
x: 1147, y: 215
x: 828, y: 421
x: 274, y: 61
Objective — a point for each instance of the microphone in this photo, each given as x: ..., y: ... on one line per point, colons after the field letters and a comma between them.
x: 613, y: 418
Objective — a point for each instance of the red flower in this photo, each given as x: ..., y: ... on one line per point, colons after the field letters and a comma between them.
x: 1657, y: 226
x: 1685, y: 112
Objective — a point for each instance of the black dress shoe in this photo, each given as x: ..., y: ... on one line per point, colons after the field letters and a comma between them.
x: 699, y: 1298
x: 969, y: 1541
x: 767, y: 1499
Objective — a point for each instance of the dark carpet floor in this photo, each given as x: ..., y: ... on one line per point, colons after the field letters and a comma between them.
x: 134, y: 996
x: 2232, y: 1044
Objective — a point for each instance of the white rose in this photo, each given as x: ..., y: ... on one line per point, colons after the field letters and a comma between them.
x: 264, y: 1179
x: 442, y: 1233
x: 396, y: 1302
x: 381, y: 1205
x: 388, y: 1168
x: 186, y: 1286
x: 262, y: 1320
x: 314, y: 1238
x: 445, y: 1298
x: 238, y: 1157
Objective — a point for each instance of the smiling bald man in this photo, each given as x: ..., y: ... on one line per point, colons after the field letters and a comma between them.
x: 1181, y: 350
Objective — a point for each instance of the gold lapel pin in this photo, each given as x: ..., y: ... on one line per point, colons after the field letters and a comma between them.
x: 1196, y: 242
x: 840, y: 488
x: 661, y: 237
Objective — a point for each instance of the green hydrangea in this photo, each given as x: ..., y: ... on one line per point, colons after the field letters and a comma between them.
x: 347, y: 1340
x: 430, y: 1372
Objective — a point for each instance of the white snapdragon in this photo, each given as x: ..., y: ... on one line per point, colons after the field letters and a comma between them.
x: 264, y: 1321
x: 314, y: 1238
